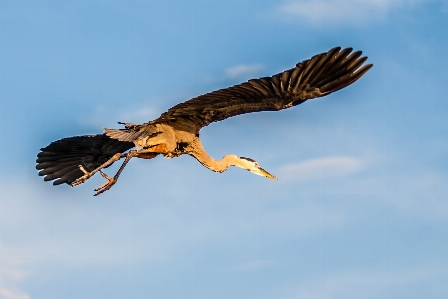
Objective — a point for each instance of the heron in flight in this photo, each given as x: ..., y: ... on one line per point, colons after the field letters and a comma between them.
x: 174, y: 133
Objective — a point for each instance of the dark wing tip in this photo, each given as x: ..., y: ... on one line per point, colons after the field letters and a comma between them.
x: 360, y: 72
x: 334, y: 50
x: 59, y: 182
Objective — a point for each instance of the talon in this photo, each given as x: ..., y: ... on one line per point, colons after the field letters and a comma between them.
x: 107, y: 185
x: 101, y: 187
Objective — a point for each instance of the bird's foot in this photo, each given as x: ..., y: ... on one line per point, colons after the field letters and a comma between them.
x: 107, y: 185
x: 82, y: 179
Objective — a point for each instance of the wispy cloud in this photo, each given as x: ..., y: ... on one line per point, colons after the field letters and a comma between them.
x: 11, y: 272
x: 342, y: 12
x: 10, y: 294
x: 242, y: 70
x: 139, y: 115
x: 321, y: 168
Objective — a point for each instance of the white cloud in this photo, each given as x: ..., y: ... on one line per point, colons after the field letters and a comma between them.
x: 11, y: 259
x: 238, y: 72
x: 12, y: 294
x: 242, y: 70
x: 319, y: 12
x: 321, y: 168
x: 11, y: 273
x: 139, y: 115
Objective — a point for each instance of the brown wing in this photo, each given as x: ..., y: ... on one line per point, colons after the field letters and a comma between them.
x: 316, y: 77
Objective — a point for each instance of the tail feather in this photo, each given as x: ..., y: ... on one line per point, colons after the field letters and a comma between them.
x: 60, y: 160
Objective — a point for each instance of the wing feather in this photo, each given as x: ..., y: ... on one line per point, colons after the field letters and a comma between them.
x: 316, y: 77
x: 61, y: 159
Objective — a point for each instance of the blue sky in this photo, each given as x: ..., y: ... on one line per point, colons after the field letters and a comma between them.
x: 360, y: 209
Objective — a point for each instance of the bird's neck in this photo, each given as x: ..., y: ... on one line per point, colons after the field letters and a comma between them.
x: 216, y: 165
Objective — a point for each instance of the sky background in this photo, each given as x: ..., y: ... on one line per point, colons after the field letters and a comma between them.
x: 360, y: 209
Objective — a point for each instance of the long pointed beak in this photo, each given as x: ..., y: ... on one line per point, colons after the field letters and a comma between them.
x: 266, y: 174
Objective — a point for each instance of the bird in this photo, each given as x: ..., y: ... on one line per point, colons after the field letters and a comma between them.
x: 74, y: 160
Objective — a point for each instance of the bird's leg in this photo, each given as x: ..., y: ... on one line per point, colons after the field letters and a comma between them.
x: 111, y: 181
x: 87, y: 174
x: 147, y: 154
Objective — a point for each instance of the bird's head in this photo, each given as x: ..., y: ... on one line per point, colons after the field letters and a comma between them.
x: 251, y: 165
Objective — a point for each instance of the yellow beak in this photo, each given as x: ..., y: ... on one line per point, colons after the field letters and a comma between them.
x: 266, y: 174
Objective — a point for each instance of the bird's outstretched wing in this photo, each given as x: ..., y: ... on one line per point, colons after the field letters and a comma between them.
x: 316, y: 77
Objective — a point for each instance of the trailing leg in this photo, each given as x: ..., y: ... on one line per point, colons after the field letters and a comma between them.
x: 147, y: 154
x: 87, y: 174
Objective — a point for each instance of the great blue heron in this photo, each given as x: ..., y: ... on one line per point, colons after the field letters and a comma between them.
x: 73, y: 160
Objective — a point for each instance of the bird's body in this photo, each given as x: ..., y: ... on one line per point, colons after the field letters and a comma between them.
x: 176, y: 132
